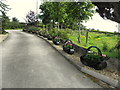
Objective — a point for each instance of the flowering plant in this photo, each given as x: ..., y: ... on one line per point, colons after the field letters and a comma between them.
x: 68, y: 45
x: 94, y: 58
x: 56, y: 39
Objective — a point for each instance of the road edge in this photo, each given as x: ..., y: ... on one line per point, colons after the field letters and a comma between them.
x: 5, y: 38
x: 104, y: 78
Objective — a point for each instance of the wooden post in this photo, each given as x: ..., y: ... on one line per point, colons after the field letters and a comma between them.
x: 79, y: 41
x: 87, y: 36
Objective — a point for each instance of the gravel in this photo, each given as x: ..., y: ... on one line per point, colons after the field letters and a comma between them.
x: 3, y: 37
x: 111, y: 70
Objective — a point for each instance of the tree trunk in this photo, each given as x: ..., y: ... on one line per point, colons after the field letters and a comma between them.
x: 61, y: 26
x: 53, y: 24
x: 87, y: 36
x: 79, y: 41
x: 58, y: 25
x: 46, y: 28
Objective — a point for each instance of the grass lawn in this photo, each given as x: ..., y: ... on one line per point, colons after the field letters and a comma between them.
x: 103, y: 41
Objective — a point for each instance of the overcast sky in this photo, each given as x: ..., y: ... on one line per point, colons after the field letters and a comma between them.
x: 19, y: 9
x: 98, y: 22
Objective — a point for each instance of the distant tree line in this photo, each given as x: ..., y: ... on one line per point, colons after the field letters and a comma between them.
x: 5, y: 22
x: 14, y: 24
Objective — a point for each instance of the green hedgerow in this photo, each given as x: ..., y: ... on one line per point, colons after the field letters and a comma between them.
x: 33, y: 28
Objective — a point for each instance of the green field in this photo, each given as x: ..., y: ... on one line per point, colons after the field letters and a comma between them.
x: 103, y: 41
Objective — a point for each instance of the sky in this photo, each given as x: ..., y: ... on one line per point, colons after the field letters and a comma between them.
x: 98, y: 22
x: 20, y: 8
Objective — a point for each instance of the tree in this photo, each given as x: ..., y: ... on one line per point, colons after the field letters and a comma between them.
x: 109, y: 10
x: 79, y: 12
x: 3, y: 18
x: 67, y: 13
x: 45, y: 14
x: 3, y: 7
x: 14, y: 19
x: 31, y: 18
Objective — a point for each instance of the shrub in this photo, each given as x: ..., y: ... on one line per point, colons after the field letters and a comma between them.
x: 44, y: 33
x: 68, y: 30
x: 33, y: 28
x: 4, y: 32
x: 105, y: 46
x: 63, y: 34
x: 53, y: 32
x: 56, y: 40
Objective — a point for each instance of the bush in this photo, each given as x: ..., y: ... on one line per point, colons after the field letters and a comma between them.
x: 44, y: 32
x: 33, y: 28
x: 68, y: 30
x: 56, y: 40
x: 53, y: 32
x: 4, y: 32
x: 105, y: 46
x: 63, y: 34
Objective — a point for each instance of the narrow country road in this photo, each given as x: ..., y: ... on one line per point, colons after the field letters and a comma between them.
x: 30, y: 62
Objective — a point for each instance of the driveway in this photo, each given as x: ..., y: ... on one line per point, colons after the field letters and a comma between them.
x: 29, y: 62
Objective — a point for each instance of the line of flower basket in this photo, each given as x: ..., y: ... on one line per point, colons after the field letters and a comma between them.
x: 95, y: 60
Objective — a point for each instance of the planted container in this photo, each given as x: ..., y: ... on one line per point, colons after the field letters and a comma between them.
x: 68, y: 47
x: 49, y: 37
x: 56, y: 40
x: 96, y: 60
x: 40, y: 33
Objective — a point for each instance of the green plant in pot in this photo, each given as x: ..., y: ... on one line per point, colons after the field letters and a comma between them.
x: 68, y: 46
x: 40, y: 33
x: 44, y: 33
x: 49, y: 37
x: 96, y: 60
x: 56, y: 40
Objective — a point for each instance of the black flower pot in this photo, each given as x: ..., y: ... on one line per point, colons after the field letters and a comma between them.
x: 101, y: 66
x: 94, y: 60
x: 68, y: 49
x: 45, y: 36
x: 49, y: 37
x: 71, y: 51
x: 28, y: 31
x: 56, y: 41
x: 36, y: 32
x: 40, y: 33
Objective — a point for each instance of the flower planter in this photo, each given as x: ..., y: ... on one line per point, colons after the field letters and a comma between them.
x: 40, y: 33
x: 68, y: 47
x: 37, y: 32
x: 93, y: 59
x: 33, y: 32
x: 24, y: 30
x: 44, y: 35
x: 49, y: 37
x: 56, y: 40
x: 28, y: 31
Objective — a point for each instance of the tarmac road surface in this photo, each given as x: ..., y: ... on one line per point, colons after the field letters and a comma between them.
x: 29, y: 62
